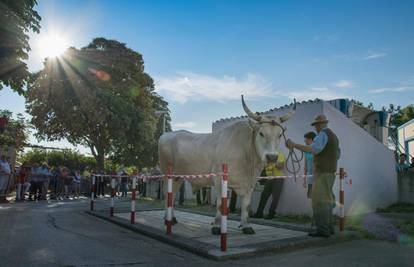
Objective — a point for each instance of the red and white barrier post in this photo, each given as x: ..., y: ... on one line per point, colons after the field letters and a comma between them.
x: 111, y: 208
x: 93, y: 192
x: 133, y: 197
x: 169, y: 199
x: 341, y: 199
x: 224, y: 209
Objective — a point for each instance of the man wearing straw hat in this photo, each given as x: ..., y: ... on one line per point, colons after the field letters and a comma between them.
x: 325, y: 149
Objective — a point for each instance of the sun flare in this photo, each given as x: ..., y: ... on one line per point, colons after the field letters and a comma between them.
x: 52, y: 45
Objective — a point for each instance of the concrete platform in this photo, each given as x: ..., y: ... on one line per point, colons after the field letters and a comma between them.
x: 193, y: 233
x: 198, y: 227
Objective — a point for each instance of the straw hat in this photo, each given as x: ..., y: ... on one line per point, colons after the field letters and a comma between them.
x: 320, y: 119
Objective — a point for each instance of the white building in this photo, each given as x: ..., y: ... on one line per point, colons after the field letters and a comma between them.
x: 406, y: 138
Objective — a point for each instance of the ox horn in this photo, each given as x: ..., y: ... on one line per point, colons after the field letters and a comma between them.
x: 290, y: 113
x: 250, y: 113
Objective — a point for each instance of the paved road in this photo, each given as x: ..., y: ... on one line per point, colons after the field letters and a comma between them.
x: 60, y: 234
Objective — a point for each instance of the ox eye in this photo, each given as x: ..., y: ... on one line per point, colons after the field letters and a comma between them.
x: 261, y: 134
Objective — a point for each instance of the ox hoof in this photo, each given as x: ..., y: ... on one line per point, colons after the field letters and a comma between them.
x: 215, y: 230
x: 174, y: 221
x: 248, y: 230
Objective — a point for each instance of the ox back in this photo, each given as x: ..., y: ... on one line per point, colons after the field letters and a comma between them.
x: 193, y: 153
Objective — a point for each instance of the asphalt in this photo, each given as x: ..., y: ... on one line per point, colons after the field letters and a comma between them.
x: 62, y: 234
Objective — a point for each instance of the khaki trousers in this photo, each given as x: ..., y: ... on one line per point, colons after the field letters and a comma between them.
x: 323, y: 201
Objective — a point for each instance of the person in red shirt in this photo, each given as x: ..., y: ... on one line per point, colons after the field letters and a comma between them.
x: 22, y: 184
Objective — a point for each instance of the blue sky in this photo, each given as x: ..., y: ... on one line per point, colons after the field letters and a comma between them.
x: 204, y: 54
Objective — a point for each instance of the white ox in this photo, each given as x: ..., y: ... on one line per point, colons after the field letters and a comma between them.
x: 246, y: 146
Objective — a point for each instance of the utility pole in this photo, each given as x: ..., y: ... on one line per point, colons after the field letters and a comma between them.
x: 162, y: 113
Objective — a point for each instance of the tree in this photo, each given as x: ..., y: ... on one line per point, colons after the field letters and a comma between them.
x: 15, y: 133
x: 100, y: 97
x: 404, y: 114
x: 17, y: 18
x: 399, y: 115
x: 68, y: 158
x: 128, y: 151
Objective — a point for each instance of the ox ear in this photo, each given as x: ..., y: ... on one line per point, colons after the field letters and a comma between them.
x: 254, y: 124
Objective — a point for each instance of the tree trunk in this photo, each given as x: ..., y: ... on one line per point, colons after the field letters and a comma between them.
x: 99, y: 155
x: 101, y: 161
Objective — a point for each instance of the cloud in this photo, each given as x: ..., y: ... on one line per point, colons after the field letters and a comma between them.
x: 374, y: 55
x: 324, y: 93
x: 344, y: 84
x: 391, y: 89
x: 349, y: 57
x: 192, y: 126
x: 186, y: 86
x: 184, y: 125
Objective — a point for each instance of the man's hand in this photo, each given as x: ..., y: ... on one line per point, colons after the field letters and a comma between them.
x: 309, y: 193
x: 280, y: 165
x: 305, y: 184
x: 290, y: 144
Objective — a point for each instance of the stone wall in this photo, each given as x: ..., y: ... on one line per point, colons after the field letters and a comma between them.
x: 406, y: 187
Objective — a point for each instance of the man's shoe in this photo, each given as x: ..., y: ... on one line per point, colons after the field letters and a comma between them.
x: 269, y: 216
x: 318, y: 234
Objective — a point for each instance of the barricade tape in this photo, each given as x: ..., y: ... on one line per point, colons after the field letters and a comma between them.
x: 210, y: 175
x: 195, y: 176
x: 183, y: 176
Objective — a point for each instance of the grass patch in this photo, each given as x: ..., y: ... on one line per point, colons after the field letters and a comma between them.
x: 298, y: 219
x: 151, y: 201
x: 355, y: 223
x: 399, y: 207
x: 406, y: 227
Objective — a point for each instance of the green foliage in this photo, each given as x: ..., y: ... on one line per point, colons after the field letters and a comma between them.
x: 68, y: 158
x: 15, y: 133
x: 17, y: 18
x: 405, y: 114
x: 100, y: 97
x: 406, y: 227
x: 399, y: 115
x: 399, y: 207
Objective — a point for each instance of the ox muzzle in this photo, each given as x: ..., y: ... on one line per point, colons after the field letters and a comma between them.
x: 271, y: 158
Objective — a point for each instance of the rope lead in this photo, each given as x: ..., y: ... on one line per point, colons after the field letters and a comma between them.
x: 293, y: 158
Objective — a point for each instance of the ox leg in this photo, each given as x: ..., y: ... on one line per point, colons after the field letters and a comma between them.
x: 215, y: 229
x: 245, y: 203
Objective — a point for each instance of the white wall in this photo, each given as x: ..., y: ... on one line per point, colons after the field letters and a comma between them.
x: 369, y: 164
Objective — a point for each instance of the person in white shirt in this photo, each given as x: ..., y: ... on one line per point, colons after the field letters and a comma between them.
x: 5, y: 172
x: 77, y: 183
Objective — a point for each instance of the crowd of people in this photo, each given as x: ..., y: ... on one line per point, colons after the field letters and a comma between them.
x: 35, y: 182
x: 39, y: 182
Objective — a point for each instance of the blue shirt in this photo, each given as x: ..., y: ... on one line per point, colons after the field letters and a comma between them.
x: 319, y: 142
x: 309, y: 167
